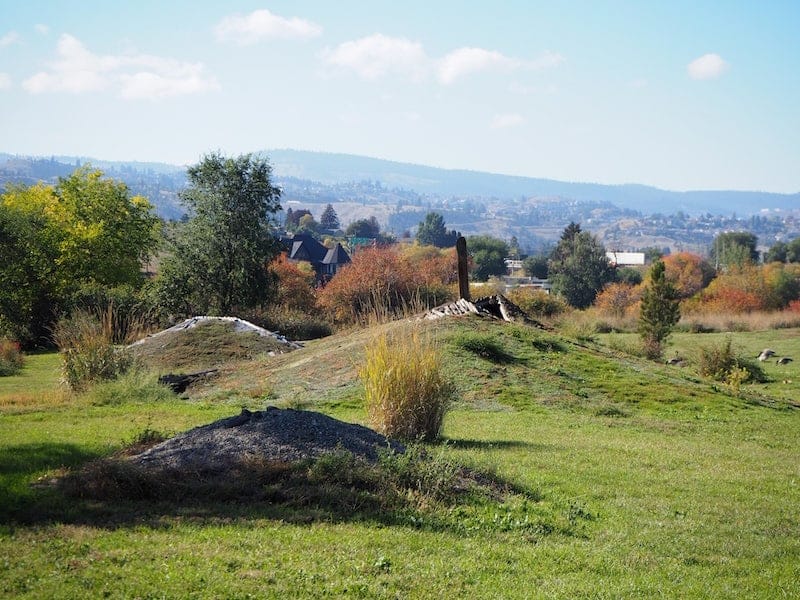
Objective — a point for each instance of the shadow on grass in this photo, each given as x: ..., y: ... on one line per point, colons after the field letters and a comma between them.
x: 419, y: 492
x: 19, y: 464
x: 492, y: 445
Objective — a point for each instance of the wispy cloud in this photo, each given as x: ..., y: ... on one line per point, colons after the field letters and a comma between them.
x: 377, y: 55
x: 262, y: 24
x: 708, y: 66
x: 464, y: 61
x: 5, y: 81
x: 9, y: 38
x: 42, y: 29
x: 76, y: 70
x: 506, y: 121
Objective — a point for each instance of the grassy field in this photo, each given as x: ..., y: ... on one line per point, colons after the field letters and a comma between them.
x: 641, y: 480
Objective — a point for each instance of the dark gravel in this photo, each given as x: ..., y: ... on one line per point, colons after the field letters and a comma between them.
x: 273, y: 434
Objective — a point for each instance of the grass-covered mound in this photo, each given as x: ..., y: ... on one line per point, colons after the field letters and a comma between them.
x: 208, y: 343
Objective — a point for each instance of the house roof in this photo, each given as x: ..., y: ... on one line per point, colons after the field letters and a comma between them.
x: 305, y: 247
x: 336, y: 256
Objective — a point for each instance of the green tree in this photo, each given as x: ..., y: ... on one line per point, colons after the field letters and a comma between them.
x: 793, y: 251
x: 488, y: 256
x: 536, y: 266
x: 329, y: 221
x: 432, y: 232
x: 364, y: 228
x: 734, y: 248
x: 221, y: 257
x: 660, y: 310
x: 86, y: 231
x: 579, y: 267
x: 777, y: 253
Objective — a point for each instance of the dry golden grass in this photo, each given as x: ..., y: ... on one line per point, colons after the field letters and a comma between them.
x: 405, y: 391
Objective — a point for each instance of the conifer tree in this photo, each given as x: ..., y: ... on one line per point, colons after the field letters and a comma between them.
x: 660, y: 310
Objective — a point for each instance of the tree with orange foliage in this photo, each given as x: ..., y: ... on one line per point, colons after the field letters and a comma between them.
x: 381, y: 282
x: 688, y: 273
x: 617, y: 298
x: 295, y: 284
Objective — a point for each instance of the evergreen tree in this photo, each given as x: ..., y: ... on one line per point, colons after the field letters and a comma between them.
x: 660, y: 310
x: 329, y: 220
x: 579, y: 267
x: 432, y: 232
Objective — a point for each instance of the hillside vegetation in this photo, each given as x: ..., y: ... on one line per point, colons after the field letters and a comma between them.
x: 631, y: 479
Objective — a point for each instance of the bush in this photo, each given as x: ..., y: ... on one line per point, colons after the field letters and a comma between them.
x: 405, y: 391
x: 720, y: 362
x: 537, y: 303
x: 291, y: 323
x: 87, y: 352
x: 11, y: 359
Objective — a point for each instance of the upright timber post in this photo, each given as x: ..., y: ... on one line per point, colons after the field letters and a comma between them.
x: 463, y: 275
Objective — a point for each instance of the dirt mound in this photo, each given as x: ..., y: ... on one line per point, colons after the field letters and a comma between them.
x: 274, y: 434
x: 205, y: 342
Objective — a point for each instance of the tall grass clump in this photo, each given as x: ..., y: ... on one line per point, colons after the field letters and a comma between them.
x: 721, y: 363
x: 87, y: 350
x: 406, y: 392
x: 11, y: 359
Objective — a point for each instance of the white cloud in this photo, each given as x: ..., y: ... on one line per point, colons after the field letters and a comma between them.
x: 506, y: 121
x: 377, y: 55
x: 464, y: 61
x: 262, y: 24
x: 10, y: 38
x: 708, y: 66
x: 5, y: 81
x: 133, y: 76
x: 42, y: 29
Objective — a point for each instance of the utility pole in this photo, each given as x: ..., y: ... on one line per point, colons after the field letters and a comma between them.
x: 463, y: 274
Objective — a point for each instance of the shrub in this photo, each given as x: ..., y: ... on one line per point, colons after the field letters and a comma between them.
x: 617, y: 299
x: 291, y: 323
x: 537, y: 303
x: 381, y: 283
x: 87, y: 351
x: 11, y: 359
x: 720, y: 362
x: 405, y: 390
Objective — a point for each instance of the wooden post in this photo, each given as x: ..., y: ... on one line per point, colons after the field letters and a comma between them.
x: 463, y: 274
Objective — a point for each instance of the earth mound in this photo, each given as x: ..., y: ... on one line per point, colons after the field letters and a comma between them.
x: 274, y: 434
x: 206, y: 342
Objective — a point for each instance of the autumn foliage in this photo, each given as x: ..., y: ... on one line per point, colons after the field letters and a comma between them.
x: 295, y: 284
x: 618, y: 299
x: 688, y: 273
x: 385, y: 281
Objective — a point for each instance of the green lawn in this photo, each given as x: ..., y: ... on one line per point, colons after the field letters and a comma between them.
x: 644, y: 482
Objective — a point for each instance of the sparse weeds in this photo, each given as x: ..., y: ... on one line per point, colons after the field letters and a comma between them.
x: 87, y: 351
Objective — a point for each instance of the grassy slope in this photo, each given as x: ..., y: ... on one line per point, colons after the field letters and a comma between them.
x: 670, y: 487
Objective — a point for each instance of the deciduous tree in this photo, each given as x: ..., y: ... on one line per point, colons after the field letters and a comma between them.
x: 221, y: 257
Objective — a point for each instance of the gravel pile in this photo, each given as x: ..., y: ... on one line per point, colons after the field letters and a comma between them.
x: 273, y: 434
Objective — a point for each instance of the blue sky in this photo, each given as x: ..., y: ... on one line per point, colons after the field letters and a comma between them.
x: 681, y: 95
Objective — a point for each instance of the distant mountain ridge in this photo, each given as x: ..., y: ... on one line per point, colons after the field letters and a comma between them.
x: 337, y: 168
x: 330, y: 169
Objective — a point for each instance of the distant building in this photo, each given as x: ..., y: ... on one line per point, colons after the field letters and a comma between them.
x: 325, y: 261
x: 626, y: 259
